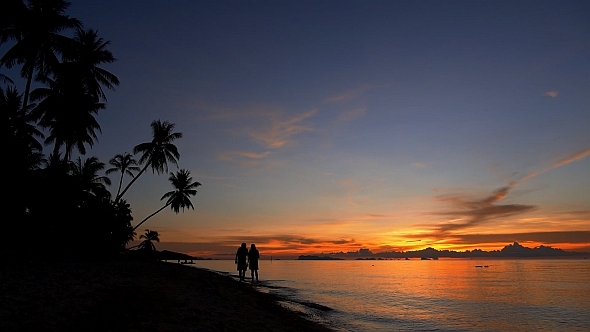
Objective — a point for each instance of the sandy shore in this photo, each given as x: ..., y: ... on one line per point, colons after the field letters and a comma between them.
x: 135, y: 296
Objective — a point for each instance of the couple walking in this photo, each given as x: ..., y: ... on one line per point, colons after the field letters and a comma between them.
x: 245, y: 258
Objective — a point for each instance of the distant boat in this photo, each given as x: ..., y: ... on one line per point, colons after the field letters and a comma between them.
x: 424, y: 258
x: 407, y: 259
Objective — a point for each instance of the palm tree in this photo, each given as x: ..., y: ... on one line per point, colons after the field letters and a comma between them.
x: 157, y: 153
x: 5, y: 79
x: 121, y: 230
x: 124, y: 163
x: 18, y: 142
x: 88, y: 53
x: 67, y: 110
x: 86, y: 175
x: 150, y: 237
x: 18, y: 122
x: 184, y: 188
x: 35, y: 28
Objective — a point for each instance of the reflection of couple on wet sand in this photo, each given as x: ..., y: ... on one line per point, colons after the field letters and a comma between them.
x: 245, y: 258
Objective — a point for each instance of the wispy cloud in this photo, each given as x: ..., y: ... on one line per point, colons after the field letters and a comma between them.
x: 347, y: 95
x: 243, y: 157
x: 470, y: 212
x: 418, y: 165
x: 279, y: 131
x: 543, y: 237
x: 246, y: 154
x: 552, y: 94
x: 268, y: 125
x: 576, y: 156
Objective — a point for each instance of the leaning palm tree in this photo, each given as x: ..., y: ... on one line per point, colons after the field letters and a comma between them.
x: 88, y: 53
x: 124, y: 163
x: 157, y: 153
x: 179, y: 198
x: 35, y: 27
x: 150, y: 237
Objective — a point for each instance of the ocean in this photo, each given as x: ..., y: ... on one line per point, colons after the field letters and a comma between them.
x: 432, y: 295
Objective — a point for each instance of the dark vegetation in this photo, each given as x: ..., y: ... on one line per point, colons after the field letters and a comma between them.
x: 57, y: 202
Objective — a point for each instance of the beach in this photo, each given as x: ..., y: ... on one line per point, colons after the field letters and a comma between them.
x: 127, y: 295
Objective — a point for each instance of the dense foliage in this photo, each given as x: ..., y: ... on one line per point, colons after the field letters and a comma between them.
x: 59, y: 203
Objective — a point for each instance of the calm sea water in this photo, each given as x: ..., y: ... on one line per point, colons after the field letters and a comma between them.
x: 443, y: 295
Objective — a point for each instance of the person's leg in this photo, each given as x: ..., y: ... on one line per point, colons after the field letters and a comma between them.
x: 256, y: 275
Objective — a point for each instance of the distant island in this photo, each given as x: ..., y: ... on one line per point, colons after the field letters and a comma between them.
x: 514, y: 250
x: 318, y: 258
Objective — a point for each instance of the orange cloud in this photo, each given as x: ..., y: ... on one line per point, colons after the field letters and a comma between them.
x: 473, y: 212
x: 246, y: 158
x: 552, y: 94
x: 278, y: 132
x: 576, y: 156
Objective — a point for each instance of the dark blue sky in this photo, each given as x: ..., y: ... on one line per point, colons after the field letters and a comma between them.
x: 324, y: 125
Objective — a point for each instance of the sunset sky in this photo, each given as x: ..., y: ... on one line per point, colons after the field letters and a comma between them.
x: 322, y: 126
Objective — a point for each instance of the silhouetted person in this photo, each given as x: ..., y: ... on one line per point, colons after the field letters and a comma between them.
x: 241, y: 256
x: 253, y: 256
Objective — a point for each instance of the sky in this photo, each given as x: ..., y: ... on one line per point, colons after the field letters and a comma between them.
x: 328, y: 126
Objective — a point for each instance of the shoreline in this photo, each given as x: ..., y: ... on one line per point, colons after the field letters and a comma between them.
x: 129, y: 295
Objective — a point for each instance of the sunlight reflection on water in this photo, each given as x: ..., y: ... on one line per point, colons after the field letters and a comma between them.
x: 444, y: 295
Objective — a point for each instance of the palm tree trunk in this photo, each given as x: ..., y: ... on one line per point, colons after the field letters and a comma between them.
x: 56, y: 149
x: 130, y: 183
x: 28, y: 87
x: 120, y: 183
x: 151, y: 215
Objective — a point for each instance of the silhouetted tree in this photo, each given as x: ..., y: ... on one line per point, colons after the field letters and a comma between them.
x: 121, y: 230
x: 148, y: 243
x: 89, y: 182
x: 22, y: 152
x: 58, y: 205
x: 35, y: 27
x: 67, y: 110
x: 5, y: 79
x: 184, y: 188
x: 88, y: 53
x: 124, y: 163
x: 157, y: 153
x: 18, y: 122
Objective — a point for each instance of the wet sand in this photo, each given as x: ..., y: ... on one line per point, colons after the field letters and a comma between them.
x: 135, y: 296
